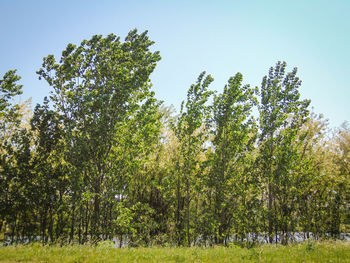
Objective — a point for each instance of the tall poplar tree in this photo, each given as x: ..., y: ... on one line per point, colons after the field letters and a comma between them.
x: 191, y: 134
x: 234, y: 135
x: 282, y: 114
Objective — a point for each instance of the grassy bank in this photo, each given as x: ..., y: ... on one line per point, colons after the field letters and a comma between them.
x: 307, y: 252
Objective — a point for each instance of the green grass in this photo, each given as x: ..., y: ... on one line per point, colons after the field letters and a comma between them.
x: 306, y: 252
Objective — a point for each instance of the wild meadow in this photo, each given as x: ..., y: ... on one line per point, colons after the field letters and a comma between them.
x: 305, y: 252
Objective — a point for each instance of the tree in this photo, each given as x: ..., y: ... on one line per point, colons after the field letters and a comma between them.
x: 95, y: 85
x: 104, y: 158
x: 341, y: 190
x: 191, y: 135
x: 234, y: 135
x: 10, y: 119
x: 50, y: 182
x: 282, y: 115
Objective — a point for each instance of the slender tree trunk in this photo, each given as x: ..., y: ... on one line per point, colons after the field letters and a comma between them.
x: 14, y: 228
x: 72, y: 224
x: 80, y: 224
x: 50, y: 229
x: 188, y: 212
x: 121, y: 241
x: 43, y: 225
x: 177, y: 217
x: 86, y: 222
x: 270, y: 227
x: 96, y: 212
x: 1, y: 224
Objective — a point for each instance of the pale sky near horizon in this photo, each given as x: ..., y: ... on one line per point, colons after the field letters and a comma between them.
x: 220, y: 37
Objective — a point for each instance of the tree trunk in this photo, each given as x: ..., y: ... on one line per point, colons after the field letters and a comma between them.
x: 188, y: 212
x: 72, y: 224
x: 270, y: 215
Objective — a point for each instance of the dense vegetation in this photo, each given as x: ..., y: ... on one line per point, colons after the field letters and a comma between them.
x: 103, y: 158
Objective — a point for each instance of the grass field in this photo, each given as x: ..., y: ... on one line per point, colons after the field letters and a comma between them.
x: 307, y: 252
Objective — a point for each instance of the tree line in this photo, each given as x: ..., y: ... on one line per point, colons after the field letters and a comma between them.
x: 101, y: 157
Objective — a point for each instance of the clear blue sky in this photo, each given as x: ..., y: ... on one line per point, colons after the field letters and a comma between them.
x: 221, y: 37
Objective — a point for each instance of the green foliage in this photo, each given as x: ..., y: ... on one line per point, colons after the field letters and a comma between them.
x: 102, y: 159
x: 191, y: 135
x: 13, y: 160
x: 234, y: 134
x: 99, y: 87
x: 8, y: 90
x: 282, y: 115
